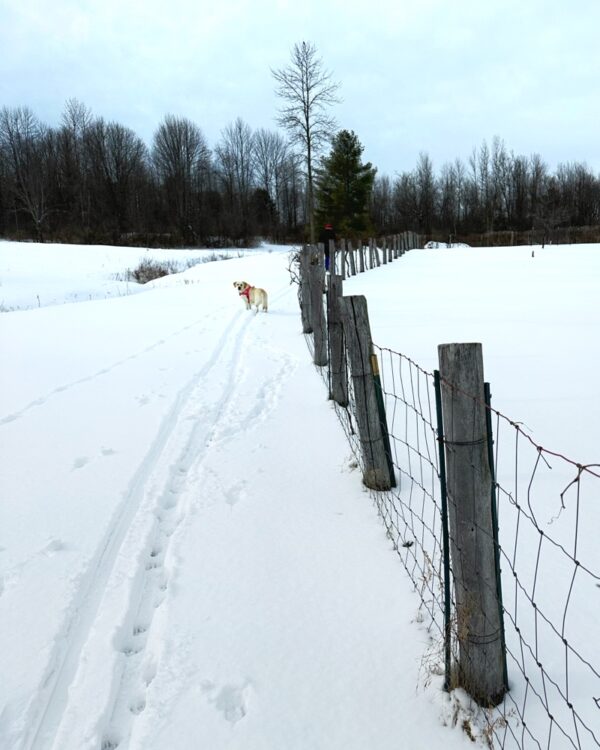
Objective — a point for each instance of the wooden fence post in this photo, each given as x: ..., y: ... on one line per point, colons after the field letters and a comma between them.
x: 317, y: 287
x: 338, y: 376
x: 374, y: 441
x: 305, y: 299
x: 481, y: 661
x: 352, y: 258
x: 361, y: 256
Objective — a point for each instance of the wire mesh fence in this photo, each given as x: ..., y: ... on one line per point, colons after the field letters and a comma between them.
x: 548, y: 511
x: 546, y: 508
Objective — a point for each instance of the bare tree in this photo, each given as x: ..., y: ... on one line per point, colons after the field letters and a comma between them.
x: 26, y: 145
x: 270, y: 154
x: 76, y: 119
x: 179, y: 154
x: 235, y: 164
x: 426, y: 192
x: 117, y: 158
x: 307, y: 91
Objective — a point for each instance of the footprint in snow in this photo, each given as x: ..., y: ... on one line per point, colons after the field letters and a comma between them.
x: 232, y: 702
x: 236, y: 493
x: 53, y: 546
x: 80, y: 462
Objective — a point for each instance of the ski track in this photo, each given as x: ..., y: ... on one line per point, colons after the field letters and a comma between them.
x: 228, y: 418
x: 148, y: 495
x: 52, y: 696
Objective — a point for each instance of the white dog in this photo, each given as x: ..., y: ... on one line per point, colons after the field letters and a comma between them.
x: 252, y: 295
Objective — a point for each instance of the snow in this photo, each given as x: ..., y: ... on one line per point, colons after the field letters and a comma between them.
x: 187, y: 555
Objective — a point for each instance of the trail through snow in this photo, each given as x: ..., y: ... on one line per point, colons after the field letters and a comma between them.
x: 187, y: 555
x: 209, y: 569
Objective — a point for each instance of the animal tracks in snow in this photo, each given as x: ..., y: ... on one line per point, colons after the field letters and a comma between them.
x: 232, y: 701
x: 81, y: 461
x: 108, y: 655
x: 41, y: 400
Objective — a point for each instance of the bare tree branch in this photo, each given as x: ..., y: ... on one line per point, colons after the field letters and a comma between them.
x: 307, y: 92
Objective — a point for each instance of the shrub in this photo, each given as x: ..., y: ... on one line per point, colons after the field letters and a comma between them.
x: 148, y: 270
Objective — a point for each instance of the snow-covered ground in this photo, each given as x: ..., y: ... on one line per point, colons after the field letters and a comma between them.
x: 187, y: 556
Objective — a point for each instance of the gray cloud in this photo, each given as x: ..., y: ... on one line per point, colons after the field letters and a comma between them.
x: 433, y: 75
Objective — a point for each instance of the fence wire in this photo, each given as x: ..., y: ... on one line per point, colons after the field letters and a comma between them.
x: 548, y: 511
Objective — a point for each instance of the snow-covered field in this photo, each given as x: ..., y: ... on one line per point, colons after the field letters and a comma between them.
x: 187, y: 557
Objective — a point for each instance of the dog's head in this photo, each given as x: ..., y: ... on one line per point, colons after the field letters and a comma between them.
x: 241, y: 285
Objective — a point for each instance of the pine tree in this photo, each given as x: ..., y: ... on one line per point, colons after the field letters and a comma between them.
x: 344, y: 186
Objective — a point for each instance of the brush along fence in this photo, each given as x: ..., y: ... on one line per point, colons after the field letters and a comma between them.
x: 497, y: 533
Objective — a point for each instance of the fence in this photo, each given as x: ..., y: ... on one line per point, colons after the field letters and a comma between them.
x: 496, y: 533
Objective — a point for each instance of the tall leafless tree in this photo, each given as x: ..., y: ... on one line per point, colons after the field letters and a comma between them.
x: 270, y: 154
x: 27, y: 146
x: 235, y: 164
x: 179, y: 154
x: 76, y: 119
x: 117, y: 158
x: 307, y: 91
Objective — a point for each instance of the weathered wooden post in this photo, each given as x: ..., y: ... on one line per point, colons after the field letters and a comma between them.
x: 482, y: 660
x: 317, y: 287
x: 331, y: 247
x: 305, y: 297
x: 343, y: 258
x: 361, y: 256
x: 352, y: 258
x: 378, y: 471
x: 338, y: 375
x: 384, y: 250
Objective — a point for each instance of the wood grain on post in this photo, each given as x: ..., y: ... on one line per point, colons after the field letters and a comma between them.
x: 317, y: 287
x: 352, y: 259
x: 481, y: 666
x: 338, y: 375
x: 305, y: 298
x: 359, y: 346
x: 361, y: 256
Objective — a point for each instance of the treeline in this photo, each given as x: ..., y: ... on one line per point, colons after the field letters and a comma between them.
x: 94, y: 181
x: 496, y: 192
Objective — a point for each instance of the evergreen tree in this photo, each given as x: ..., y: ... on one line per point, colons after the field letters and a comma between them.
x: 344, y: 186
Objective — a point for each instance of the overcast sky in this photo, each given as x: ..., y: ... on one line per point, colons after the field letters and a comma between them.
x: 438, y: 76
